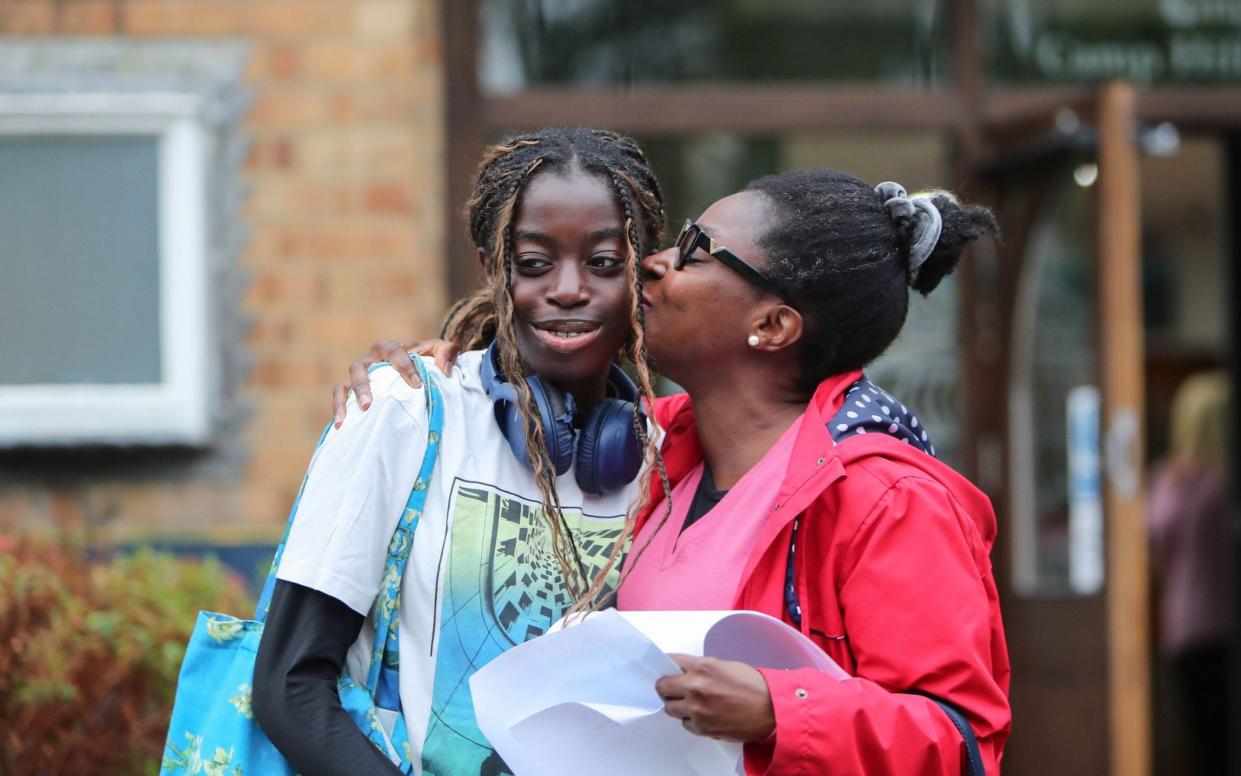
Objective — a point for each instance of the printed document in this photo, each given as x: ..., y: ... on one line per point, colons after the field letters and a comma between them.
x: 582, y: 699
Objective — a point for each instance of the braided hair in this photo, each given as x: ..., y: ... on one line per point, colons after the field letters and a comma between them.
x: 503, y: 175
x: 845, y: 262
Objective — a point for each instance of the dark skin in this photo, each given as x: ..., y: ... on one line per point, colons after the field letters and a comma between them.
x: 699, y: 323
x: 724, y: 699
x: 569, y: 290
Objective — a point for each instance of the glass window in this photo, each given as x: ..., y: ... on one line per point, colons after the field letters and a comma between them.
x: 1052, y: 379
x: 1184, y: 244
x: 1185, y: 214
x: 1146, y: 41
x: 80, y: 296
x: 105, y: 296
x: 527, y: 43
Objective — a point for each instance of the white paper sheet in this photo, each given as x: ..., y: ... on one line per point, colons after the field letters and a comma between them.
x: 582, y: 699
x: 750, y: 637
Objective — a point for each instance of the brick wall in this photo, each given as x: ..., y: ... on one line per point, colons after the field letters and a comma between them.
x: 345, y: 213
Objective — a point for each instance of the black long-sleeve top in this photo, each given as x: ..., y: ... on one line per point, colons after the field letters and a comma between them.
x: 295, y: 700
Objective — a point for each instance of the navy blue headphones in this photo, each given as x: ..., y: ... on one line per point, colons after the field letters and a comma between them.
x: 607, y: 448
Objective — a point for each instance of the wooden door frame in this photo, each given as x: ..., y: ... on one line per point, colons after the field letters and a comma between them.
x: 1121, y: 352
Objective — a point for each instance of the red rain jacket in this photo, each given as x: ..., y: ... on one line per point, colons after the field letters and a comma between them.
x: 894, y: 580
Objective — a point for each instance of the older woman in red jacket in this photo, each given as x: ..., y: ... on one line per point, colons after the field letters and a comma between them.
x: 802, y: 490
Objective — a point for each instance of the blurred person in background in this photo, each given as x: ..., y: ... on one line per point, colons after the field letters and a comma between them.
x: 1191, y: 534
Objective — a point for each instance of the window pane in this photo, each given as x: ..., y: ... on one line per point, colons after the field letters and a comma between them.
x: 1147, y: 41
x: 1053, y: 355
x: 79, y: 262
x: 595, y: 42
x: 1185, y: 216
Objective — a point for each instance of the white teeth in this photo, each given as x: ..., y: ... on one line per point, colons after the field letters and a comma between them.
x: 568, y: 334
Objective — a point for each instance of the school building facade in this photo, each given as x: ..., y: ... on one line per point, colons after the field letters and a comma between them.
x: 290, y: 174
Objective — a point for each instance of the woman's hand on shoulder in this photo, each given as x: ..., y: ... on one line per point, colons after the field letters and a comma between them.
x: 396, y: 353
x: 723, y: 699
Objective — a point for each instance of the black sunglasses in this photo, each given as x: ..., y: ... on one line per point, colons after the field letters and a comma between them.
x: 692, y: 238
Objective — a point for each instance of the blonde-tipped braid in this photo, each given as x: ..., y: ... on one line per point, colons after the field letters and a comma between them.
x: 471, y: 323
x: 652, y: 458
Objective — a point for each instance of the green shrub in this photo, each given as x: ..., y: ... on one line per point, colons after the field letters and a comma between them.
x: 90, y: 650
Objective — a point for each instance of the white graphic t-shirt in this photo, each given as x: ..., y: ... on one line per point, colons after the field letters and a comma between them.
x: 481, y: 575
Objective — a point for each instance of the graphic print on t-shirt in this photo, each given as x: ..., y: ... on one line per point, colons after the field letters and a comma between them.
x: 501, y: 585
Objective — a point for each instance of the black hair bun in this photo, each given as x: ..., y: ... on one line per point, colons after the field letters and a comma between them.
x: 962, y: 225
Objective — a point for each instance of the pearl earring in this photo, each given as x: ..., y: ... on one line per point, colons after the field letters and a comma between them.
x: 753, y: 340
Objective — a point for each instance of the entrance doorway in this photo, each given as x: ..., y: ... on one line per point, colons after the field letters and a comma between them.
x: 1111, y: 288
x: 1061, y: 421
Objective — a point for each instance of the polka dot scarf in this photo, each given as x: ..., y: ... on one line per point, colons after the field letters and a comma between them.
x: 867, y: 409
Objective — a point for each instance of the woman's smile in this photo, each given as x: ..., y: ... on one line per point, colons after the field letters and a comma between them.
x: 566, y: 336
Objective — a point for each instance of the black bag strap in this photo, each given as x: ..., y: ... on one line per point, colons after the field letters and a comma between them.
x: 972, y: 765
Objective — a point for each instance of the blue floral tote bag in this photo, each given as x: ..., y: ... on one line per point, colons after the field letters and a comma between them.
x: 213, y: 731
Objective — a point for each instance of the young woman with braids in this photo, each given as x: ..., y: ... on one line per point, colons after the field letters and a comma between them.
x: 801, y: 489
x: 542, y: 440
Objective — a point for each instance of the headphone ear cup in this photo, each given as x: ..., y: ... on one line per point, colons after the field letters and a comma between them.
x: 608, y: 455
x: 556, y: 414
x: 504, y: 405
x: 586, y: 472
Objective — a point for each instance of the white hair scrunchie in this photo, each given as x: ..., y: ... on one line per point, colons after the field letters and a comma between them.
x: 928, y: 223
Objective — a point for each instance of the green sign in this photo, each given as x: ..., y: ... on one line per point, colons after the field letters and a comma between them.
x: 1151, y: 41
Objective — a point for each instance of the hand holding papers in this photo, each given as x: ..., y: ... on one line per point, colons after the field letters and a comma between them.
x: 583, y: 700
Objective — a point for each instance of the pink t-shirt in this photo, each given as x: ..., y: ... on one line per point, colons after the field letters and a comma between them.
x: 700, y: 568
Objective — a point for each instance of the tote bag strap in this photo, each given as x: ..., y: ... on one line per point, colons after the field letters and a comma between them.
x: 434, y: 415
x: 385, y: 655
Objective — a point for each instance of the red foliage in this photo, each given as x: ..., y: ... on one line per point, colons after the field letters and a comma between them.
x: 90, y: 651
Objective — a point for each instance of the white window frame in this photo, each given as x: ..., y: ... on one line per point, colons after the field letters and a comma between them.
x: 177, y: 408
